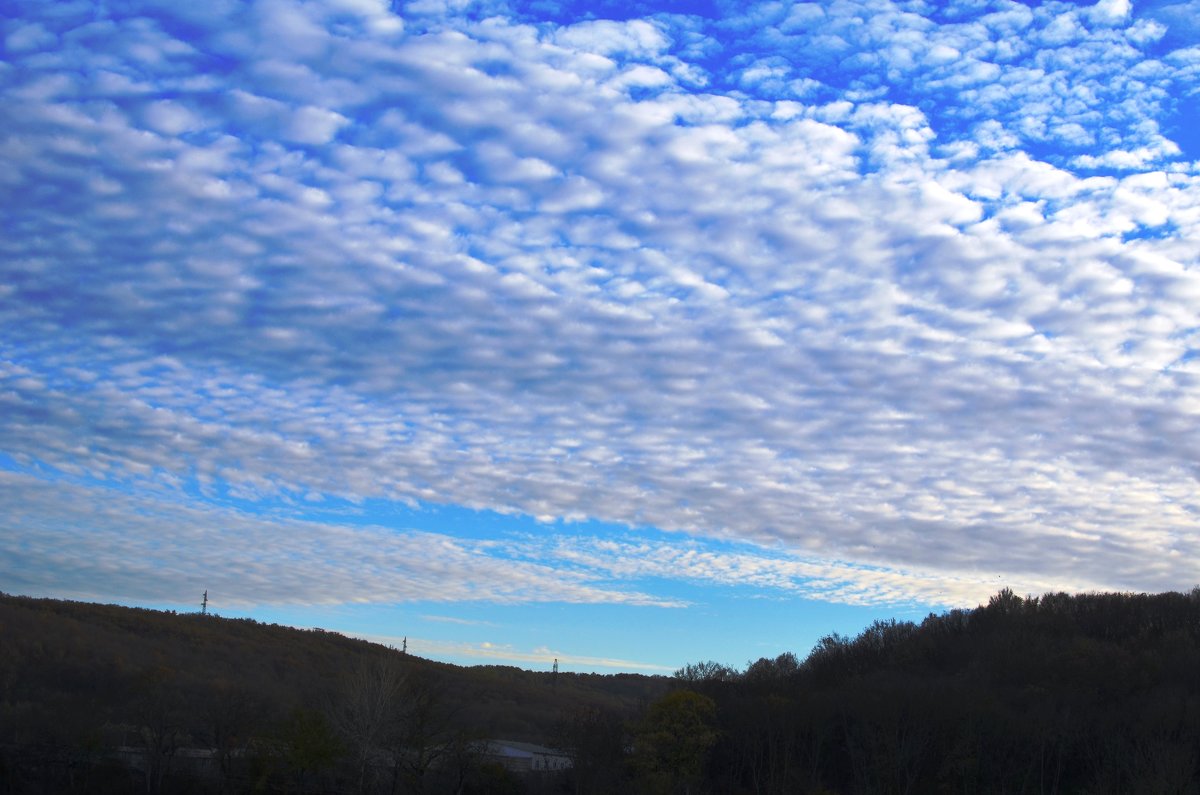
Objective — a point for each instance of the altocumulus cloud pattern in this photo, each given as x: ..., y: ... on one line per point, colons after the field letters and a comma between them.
x: 871, y: 302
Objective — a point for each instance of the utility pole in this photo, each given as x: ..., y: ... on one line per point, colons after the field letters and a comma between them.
x: 204, y: 604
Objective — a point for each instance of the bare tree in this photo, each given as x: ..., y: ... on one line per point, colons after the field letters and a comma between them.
x: 367, y: 712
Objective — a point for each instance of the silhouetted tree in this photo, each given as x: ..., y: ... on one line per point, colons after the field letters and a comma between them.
x: 309, y: 746
x: 159, y: 715
x: 595, y: 739
x: 366, y: 715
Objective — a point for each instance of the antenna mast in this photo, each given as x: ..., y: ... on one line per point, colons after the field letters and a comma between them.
x: 204, y: 604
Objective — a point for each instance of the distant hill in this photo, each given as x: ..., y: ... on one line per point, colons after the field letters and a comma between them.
x: 1086, y: 693
x: 77, y: 675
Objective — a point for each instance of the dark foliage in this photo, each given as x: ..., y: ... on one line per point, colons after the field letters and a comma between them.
x: 100, y: 698
x: 1094, y: 693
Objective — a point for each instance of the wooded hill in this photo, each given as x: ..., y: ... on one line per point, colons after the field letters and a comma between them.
x: 1092, y: 693
x: 79, y: 679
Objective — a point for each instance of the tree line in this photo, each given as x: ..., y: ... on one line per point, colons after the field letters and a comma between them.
x: 102, y: 698
x: 1088, y: 693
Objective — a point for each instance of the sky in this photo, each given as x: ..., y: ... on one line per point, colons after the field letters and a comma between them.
x: 628, y: 334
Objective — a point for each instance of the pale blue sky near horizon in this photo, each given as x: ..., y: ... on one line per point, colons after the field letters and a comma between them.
x: 630, y: 334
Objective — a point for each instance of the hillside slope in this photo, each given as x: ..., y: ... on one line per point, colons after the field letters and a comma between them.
x: 77, y: 678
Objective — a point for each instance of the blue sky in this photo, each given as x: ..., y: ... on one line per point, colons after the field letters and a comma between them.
x: 631, y: 334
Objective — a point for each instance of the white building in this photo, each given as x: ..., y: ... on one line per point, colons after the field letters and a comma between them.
x: 525, y: 757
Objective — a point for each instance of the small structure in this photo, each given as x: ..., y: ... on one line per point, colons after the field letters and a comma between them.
x: 525, y: 757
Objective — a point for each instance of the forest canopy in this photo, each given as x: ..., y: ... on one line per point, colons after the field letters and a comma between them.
x: 1092, y: 693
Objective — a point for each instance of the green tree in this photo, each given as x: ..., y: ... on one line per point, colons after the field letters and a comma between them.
x: 673, y: 739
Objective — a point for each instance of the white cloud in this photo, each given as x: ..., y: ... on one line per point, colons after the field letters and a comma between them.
x: 171, y: 118
x: 1109, y: 11
x: 315, y: 126
x: 86, y: 541
x: 635, y: 38
x: 29, y: 37
x: 487, y: 653
x: 532, y: 269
